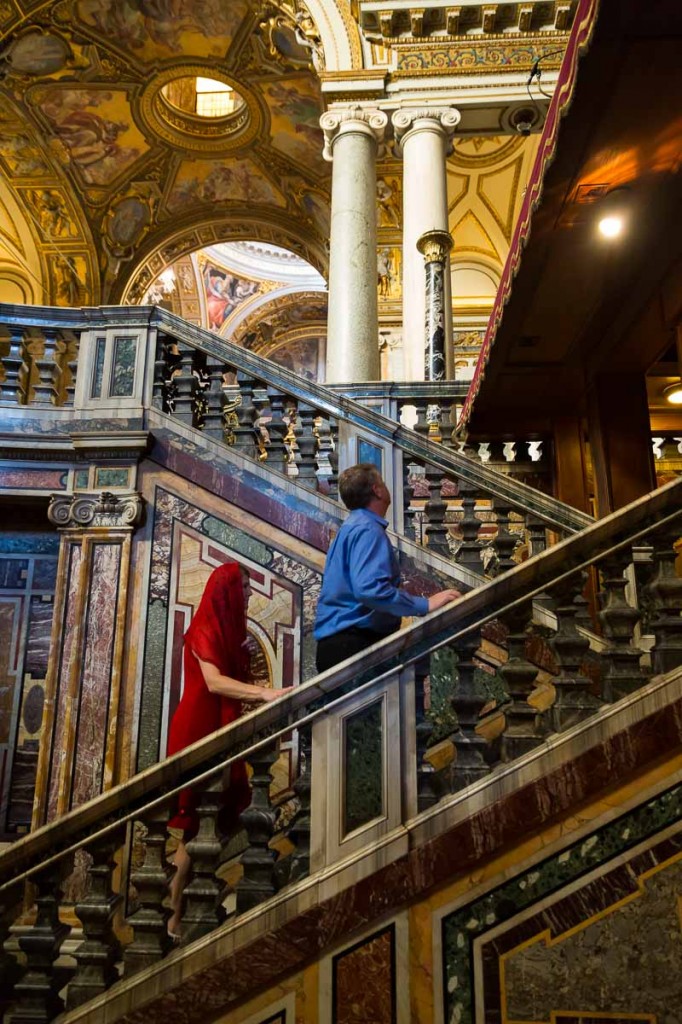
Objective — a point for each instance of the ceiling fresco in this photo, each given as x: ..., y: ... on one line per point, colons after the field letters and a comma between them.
x: 111, y: 179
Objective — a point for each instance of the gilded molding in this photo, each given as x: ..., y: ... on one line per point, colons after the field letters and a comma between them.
x: 369, y: 121
x: 96, y: 510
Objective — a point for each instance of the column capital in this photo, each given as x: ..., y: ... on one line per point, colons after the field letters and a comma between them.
x: 440, y: 119
x: 115, y: 511
x: 434, y: 245
x: 358, y: 120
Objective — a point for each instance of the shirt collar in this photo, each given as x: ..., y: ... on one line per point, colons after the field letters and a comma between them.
x: 372, y: 515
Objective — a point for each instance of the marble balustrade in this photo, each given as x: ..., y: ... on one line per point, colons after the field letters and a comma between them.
x: 511, y: 664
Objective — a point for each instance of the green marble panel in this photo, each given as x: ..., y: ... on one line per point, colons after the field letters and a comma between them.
x: 111, y: 477
x: 123, y: 369
x: 237, y: 540
x: 81, y: 479
x: 363, y: 766
x: 152, y: 686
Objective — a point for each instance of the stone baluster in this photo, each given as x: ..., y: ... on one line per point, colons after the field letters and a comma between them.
x: 100, y: 950
x: 278, y: 456
x: 427, y: 792
x: 45, y: 390
x: 537, y: 535
x: 470, y: 763
x: 307, y: 446
x: 327, y: 458
x: 10, y: 907
x: 436, y: 508
x: 214, y: 399
x: 409, y: 512
x: 469, y: 553
x: 574, y: 701
x: 299, y: 830
x: 11, y: 388
x: 422, y: 425
x: 72, y: 372
x: 665, y: 591
x: 37, y: 998
x: 619, y: 619
x: 262, y: 406
x: 201, y: 386
x: 162, y: 376
x: 150, y: 920
x: 184, y: 382
x: 504, y: 541
x: 523, y: 729
x: 258, y: 860
x: 245, y: 428
x: 205, y: 892
x: 447, y: 424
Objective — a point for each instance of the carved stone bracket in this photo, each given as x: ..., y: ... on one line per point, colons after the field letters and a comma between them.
x: 407, y: 119
x: 116, y: 511
x: 369, y: 121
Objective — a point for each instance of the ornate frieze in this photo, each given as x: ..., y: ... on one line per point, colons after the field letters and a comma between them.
x: 96, y: 510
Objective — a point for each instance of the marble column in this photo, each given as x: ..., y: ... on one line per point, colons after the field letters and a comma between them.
x: 351, y: 140
x: 78, y: 738
x: 424, y: 136
x: 435, y: 247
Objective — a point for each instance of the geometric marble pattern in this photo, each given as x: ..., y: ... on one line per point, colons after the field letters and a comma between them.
x: 542, y: 944
x: 187, y: 542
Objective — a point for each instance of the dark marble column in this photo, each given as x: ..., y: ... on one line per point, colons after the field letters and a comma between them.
x: 434, y: 247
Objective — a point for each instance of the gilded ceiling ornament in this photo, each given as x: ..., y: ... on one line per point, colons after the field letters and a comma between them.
x: 291, y: 35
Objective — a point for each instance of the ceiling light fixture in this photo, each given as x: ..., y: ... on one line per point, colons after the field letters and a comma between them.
x: 673, y: 393
x: 613, y: 210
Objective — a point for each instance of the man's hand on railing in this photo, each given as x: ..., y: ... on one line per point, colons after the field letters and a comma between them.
x: 443, y: 597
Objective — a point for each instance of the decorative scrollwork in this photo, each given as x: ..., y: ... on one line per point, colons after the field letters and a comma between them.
x: 91, y: 510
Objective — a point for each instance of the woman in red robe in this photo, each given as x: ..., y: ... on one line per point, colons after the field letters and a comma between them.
x: 216, y: 663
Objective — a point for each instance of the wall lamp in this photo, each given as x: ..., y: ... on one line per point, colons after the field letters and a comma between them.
x: 613, y: 212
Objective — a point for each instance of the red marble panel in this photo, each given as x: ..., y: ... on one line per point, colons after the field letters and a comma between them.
x: 28, y: 479
x: 98, y: 650
x: 363, y: 981
x: 68, y: 634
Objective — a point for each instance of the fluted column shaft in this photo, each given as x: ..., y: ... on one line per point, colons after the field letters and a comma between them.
x: 424, y: 136
x: 351, y: 139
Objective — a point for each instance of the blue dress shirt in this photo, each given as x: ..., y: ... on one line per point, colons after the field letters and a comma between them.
x: 361, y: 577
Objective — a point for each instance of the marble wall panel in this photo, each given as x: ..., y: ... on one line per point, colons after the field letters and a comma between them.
x: 363, y: 981
x: 67, y: 654
x: 95, y: 682
x: 30, y: 478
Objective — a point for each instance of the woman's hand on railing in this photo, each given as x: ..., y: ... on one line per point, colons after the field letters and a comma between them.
x: 260, y: 695
x: 443, y: 597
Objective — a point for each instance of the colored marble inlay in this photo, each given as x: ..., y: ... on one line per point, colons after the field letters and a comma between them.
x: 81, y: 479
x: 363, y: 981
x: 363, y: 764
x: 27, y: 582
x: 462, y: 928
x: 112, y: 477
x: 123, y: 369
x: 94, y: 692
x: 27, y: 479
x: 368, y: 452
x: 98, y: 368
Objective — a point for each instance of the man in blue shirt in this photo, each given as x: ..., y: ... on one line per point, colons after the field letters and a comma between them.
x: 361, y: 601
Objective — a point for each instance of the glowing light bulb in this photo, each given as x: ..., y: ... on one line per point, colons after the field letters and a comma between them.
x: 673, y: 394
x: 611, y: 226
